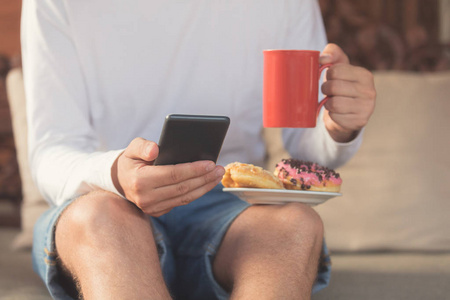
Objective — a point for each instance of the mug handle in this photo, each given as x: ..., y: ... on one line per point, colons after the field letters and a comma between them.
x: 325, y: 99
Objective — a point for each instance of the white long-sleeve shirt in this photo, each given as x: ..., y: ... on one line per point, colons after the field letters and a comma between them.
x: 99, y: 73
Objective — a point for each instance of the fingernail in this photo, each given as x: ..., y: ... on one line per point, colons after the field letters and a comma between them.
x: 325, y: 55
x: 220, y: 172
x: 147, y: 150
x: 210, y: 166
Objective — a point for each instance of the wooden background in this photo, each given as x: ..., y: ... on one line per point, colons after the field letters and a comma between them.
x: 9, y: 27
x: 10, y: 187
x: 387, y: 34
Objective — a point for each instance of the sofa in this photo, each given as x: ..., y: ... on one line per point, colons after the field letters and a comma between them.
x: 389, y: 232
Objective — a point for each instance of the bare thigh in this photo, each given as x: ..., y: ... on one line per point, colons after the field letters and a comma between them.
x: 271, y: 249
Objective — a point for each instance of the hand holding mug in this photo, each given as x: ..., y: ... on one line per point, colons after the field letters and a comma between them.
x: 290, y: 94
x: 351, y: 93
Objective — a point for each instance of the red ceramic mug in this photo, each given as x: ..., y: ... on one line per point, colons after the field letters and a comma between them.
x: 291, y: 88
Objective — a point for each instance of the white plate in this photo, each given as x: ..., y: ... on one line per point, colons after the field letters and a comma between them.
x: 274, y: 196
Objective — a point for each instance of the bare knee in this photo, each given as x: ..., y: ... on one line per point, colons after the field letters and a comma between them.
x: 298, y: 230
x: 295, y: 217
x: 298, y: 227
x: 295, y: 226
x: 96, y: 214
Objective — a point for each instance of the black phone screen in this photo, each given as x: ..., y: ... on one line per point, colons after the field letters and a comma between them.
x: 189, y: 138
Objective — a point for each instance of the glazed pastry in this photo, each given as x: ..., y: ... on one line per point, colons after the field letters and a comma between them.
x: 304, y: 175
x: 249, y: 176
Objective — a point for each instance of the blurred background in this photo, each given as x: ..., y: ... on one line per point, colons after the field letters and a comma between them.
x: 10, y: 184
x: 409, y: 35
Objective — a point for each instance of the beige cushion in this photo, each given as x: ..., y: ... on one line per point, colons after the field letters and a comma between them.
x: 33, y: 205
x: 396, y: 190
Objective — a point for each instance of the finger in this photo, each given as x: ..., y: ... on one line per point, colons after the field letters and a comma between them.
x: 342, y: 105
x: 173, y: 174
x: 160, y: 213
x: 142, y: 149
x: 341, y: 88
x: 349, y: 121
x: 184, y: 187
x: 157, y: 212
x: 333, y: 54
x: 183, y: 199
x: 349, y: 73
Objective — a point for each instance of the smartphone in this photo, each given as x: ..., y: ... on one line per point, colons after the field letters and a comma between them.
x: 189, y: 138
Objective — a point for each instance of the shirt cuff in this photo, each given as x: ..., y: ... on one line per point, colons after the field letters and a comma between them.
x: 343, y: 150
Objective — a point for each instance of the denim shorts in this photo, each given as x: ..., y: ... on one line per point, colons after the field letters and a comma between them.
x: 187, y: 238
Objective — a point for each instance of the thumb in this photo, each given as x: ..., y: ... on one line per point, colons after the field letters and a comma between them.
x: 332, y: 53
x: 142, y: 149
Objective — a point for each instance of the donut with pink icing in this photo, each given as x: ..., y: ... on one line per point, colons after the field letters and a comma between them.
x: 304, y: 175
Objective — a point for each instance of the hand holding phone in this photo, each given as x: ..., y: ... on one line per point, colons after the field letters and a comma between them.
x: 155, y: 189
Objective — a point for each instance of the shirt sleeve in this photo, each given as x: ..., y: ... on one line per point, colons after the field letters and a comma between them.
x: 66, y: 159
x: 315, y: 144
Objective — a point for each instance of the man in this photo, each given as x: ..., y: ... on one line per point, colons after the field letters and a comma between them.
x: 101, y: 76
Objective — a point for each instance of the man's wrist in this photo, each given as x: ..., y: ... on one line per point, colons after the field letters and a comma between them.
x: 337, y: 132
x: 115, y: 175
x: 343, y: 136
